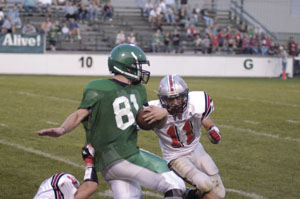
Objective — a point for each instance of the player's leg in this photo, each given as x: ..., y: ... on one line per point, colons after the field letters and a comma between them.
x: 125, y: 189
x: 150, y: 171
x: 208, y: 166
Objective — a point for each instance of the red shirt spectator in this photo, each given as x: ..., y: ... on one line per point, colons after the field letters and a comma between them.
x: 293, y: 47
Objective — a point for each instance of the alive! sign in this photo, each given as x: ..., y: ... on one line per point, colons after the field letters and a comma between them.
x: 19, y: 43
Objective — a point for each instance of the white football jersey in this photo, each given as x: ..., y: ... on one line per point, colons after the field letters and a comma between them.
x: 58, y: 186
x: 182, y: 135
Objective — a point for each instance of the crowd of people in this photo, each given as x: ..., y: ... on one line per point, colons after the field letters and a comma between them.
x: 75, y: 12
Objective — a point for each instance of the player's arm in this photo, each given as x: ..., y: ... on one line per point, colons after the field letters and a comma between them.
x: 214, y: 134
x: 156, y: 114
x: 71, y: 122
x: 90, y: 179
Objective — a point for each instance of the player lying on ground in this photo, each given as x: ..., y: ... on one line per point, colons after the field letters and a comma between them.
x: 180, y: 137
x: 66, y: 186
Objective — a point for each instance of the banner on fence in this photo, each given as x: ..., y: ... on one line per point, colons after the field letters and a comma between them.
x: 19, y: 43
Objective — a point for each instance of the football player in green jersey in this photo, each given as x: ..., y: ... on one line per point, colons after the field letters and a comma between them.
x: 107, y: 112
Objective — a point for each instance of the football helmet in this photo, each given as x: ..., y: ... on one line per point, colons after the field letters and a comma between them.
x: 173, y: 94
x: 127, y: 60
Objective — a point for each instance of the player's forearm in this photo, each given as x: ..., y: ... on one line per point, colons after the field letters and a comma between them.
x: 74, y: 120
x: 86, y: 190
x: 207, y: 123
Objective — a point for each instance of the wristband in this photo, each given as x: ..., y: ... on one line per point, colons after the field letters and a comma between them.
x: 90, y: 174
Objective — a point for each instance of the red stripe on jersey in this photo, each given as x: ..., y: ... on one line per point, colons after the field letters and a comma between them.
x: 54, y: 184
x: 207, y: 105
x: 171, y: 83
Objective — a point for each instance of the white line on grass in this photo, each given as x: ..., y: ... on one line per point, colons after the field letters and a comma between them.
x: 53, y: 123
x: 293, y: 121
x: 251, y: 122
x: 48, y: 97
x: 3, y: 124
x: 250, y: 195
x: 107, y: 192
x: 260, y: 133
x: 37, y: 152
x: 264, y: 101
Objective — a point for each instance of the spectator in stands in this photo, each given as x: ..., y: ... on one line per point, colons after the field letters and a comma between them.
x: 70, y: 10
x: 30, y: 6
x: 44, y: 6
x: 148, y: 7
x: 292, y: 47
x: 190, y: 32
x: 283, y: 55
x: 250, y: 30
x: 157, y: 41
x: 169, y: 15
x: 4, y: 3
x: 1, y: 16
x: 93, y: 11
x: 120, y: 38
x: 153, y: 17
x: 253, y: 44
x: 258, y: 30
x: 83, y: 14
x: 167, y: 42
x: 28, y: 29
x: 52, y: 37
x: 15, y: 15
x: 265, y: 44
x: 206, y: 44
x: 176, y: 41
x: 171, y: 4
x: 209, y: 21
x: 183, y: 8
x: 59, y: 2
x: 273, y: 47
x: 107, y: 11
x: 74, y: 30
x: 198, y: 42
x: 131, y: 39
x: 65, y: 32
x: 8, y: 25
x: 214, y: 44
x: 46, y: 25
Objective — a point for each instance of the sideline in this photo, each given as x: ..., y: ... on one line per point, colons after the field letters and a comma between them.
x: 106, y: 192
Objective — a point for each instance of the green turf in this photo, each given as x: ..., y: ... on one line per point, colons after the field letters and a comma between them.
x: 259, y: 120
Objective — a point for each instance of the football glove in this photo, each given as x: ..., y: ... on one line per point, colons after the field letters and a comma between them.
x: 214, y: 135
x: 88, y: 153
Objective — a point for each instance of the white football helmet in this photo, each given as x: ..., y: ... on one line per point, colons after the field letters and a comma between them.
x: 60, y: 185
x: 173, y: 94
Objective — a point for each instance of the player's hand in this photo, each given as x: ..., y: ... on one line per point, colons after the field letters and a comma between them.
x: 52, y: 132
x: 154, y: 113
x: 88, y: 153
x: 214, y: 135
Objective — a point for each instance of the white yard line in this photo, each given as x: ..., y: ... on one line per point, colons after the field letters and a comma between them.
x: 251, y: 122
x: 48, y: 97
x: 263, y: 101
x: 106, y: 192
x: 3, y: 124
x: 52, y: 123
x: 260, y: 133
x: 250, y: 195
x: 293, y: 121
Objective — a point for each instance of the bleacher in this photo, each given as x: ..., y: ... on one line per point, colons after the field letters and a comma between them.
x: 100, y: 36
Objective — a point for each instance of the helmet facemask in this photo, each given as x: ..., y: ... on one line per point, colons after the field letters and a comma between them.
x: 138, y: 75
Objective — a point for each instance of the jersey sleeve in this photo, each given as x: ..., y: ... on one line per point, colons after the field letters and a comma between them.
x: 209, y: 106
x: 89, y: 99
x: 202, y: 103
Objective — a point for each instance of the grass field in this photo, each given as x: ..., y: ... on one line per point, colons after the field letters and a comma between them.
x: 259, y: 156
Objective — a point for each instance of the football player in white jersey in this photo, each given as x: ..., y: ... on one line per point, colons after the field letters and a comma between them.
x: 179, y: 138
x: 66, y: 186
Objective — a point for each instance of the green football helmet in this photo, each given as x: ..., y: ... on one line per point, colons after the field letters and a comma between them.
x: 127, y: 60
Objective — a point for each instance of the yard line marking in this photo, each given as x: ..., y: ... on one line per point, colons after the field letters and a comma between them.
x: 3, y: 124
x: 260, y: 133
x: 37, y: 152
x: 293, y: 121
x: 48, y: 97
x: 264, y: 101
x: 251, y: 195
x: 107, y: 192
x: 53, y: 123
x: 251, y: 122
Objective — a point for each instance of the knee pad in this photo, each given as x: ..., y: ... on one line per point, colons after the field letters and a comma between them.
x: 218, y: 188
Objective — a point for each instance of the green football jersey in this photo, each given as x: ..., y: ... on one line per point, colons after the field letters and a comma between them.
x: 111, y: 126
